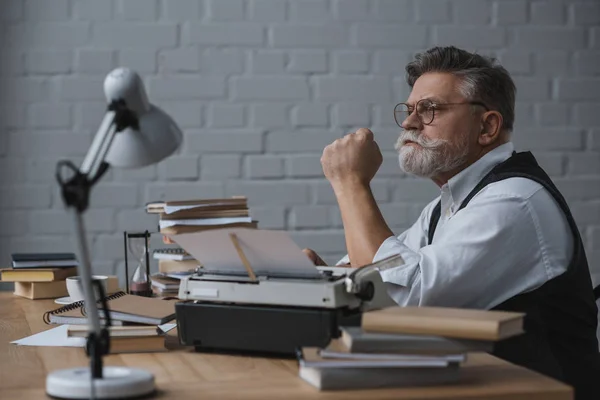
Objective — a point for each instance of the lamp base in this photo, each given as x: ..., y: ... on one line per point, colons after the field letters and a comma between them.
x: 116, y: 383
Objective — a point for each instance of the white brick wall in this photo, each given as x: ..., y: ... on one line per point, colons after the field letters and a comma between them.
x: 259, y: 88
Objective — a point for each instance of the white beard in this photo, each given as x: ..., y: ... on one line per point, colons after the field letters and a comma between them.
x: 430, y: 157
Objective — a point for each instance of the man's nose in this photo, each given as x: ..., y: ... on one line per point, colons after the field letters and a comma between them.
x: 412, y: 122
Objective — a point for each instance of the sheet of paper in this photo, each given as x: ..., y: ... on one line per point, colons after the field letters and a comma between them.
x: 55, y: 337
x: 204, y: 221
x: 269, y: 252
x: 166, y: 327
x: 173, y: 209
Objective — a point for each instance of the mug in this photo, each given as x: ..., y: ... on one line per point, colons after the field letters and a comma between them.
x: 76, y: 291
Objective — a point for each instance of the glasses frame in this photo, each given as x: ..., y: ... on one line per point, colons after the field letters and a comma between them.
x: 415, y: 108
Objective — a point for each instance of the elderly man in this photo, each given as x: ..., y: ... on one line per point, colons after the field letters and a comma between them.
x: 500, y: 236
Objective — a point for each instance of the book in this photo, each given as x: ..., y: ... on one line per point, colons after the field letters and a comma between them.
x: 164, y: 282
x: 170, y: 266
x: 179, y: 229
x: 41, y: 290
x: 41, y: 260
x: 148, y: 344
x: 335, y: 374
x: 169, y: 207
x: 337, y: 350
x: 203, y: 222
x: 123, y: 307
x: 355, y: 340
x: 115, y: 331
x: 206, y: 213
x: 444, y: 321
x: 176, y: 254
x: 37, y: 274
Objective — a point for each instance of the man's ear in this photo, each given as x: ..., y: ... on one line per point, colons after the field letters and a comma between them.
x: 491, y: 127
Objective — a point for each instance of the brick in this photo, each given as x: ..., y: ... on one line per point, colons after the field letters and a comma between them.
x: 586, y: 114
x: 412, y: 190
x: 47, y: 143
x: 226, y: 116
x: 267, y: 193
x: 25, y: 196
x: 88, y: 114
x: 42, y: 244
x: 219, y: 34
x: 269, y: 116
x: 550, y: 38
x: 310, y: 10
x: 393, y: 10
x: 583, y: 163
x: 26, y: 89
x: 305, y: 166
x: 269, y: 217
x: 353, y: 89
x: 432, y: 11
x: 49, y: 116
x: 268, y: 62
x: 323, y: 193
x: 351, y: 62
x: 183, y: 191
x: 575, y: 188
x: 179, y: 60
x: 552, y: 63
x: 552, y: 114
x: 137, y: 10
x: 405, y: 37
x: 183, y: 10
x: 585, y: 213
x: 302, y: 217
x: 264, y: 166
x: 578, y: 89
x: 41, y: 10
x: 476, y: 37
x: 49, y: 35
x: 390, y: 166
x: 390, y: 61
x: 305, y: 35
x: 142, y: 61
x: 13, y: 223
x: 308, y: 61
x: 128, y: 175
x: 187, y: 114
x: 595, y: 38
x: 92, y: 10
x: 267, y: 10
x: 298, y: 141
x: 12, y: 10
x: 524, y: 116
x: 14, y: 170
x: 217, y: 167
x: 351, y: 10
x: 312, y: 114
x: 101, y: 220
x: 114, y: 195
x: 50, y: 222
x: 349, y: 114
x: 94, y: 61
x: 586, y: 13
x: 587, y: 62
x: 397, y: 214
x: 134, y: 34
x: 516, y: 61
x: 510, y: 12
x: 225, y: 10
x: 472, y: 12
x: 136, y: 220
x: 548, y: 13
x: 222, y: 62
x: 552, y: 163
x: 184, y: 87
x: 319, y: 241
x: 270, y: 88
x: 108, y: 247
x: 549, y: 139
x: 81, y: 88
x: 532, y: 88
x: 224, y: 142
x: 179, y: 167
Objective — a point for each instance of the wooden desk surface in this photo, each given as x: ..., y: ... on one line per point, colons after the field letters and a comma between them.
x: 184, y: 374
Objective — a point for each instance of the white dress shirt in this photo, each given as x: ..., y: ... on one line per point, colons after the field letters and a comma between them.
x: 511, y: 238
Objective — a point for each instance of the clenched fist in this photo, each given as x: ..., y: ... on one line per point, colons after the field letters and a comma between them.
x: 355, y: 158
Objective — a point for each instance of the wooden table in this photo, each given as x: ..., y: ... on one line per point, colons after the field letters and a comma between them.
x: 184, y: 374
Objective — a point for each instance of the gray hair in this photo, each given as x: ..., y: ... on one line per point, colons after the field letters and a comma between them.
x: 483, y: 78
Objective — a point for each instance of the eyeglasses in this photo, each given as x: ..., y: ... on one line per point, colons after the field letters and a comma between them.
x: 425, y: 109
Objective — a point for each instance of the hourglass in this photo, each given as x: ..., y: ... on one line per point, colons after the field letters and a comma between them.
x: 137, y: 245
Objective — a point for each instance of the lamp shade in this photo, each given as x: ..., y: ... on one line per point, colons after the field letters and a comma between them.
x: 157, y: 137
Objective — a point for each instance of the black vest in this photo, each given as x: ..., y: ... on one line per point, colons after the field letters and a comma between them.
x: 561, y: 315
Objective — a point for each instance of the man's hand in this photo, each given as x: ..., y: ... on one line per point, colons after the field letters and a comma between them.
x: 314, y: 257
x: 355, y: 158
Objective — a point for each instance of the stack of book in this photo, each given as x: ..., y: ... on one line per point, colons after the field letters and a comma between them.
x: 198, y: 215
x: 40, y: 275
x: 405, y: 346
x: 165, y: 284
x: 174, y: 260
x: 127, y: 339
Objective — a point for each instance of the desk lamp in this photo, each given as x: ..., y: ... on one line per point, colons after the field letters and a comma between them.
x: 133, y: 133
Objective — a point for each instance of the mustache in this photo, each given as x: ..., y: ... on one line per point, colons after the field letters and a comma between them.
x: 423, y: 141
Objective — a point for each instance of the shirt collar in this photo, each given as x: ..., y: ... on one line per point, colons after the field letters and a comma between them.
x: 461, y: 184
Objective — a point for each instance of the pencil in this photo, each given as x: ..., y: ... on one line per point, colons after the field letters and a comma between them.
x: 245, y: 261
